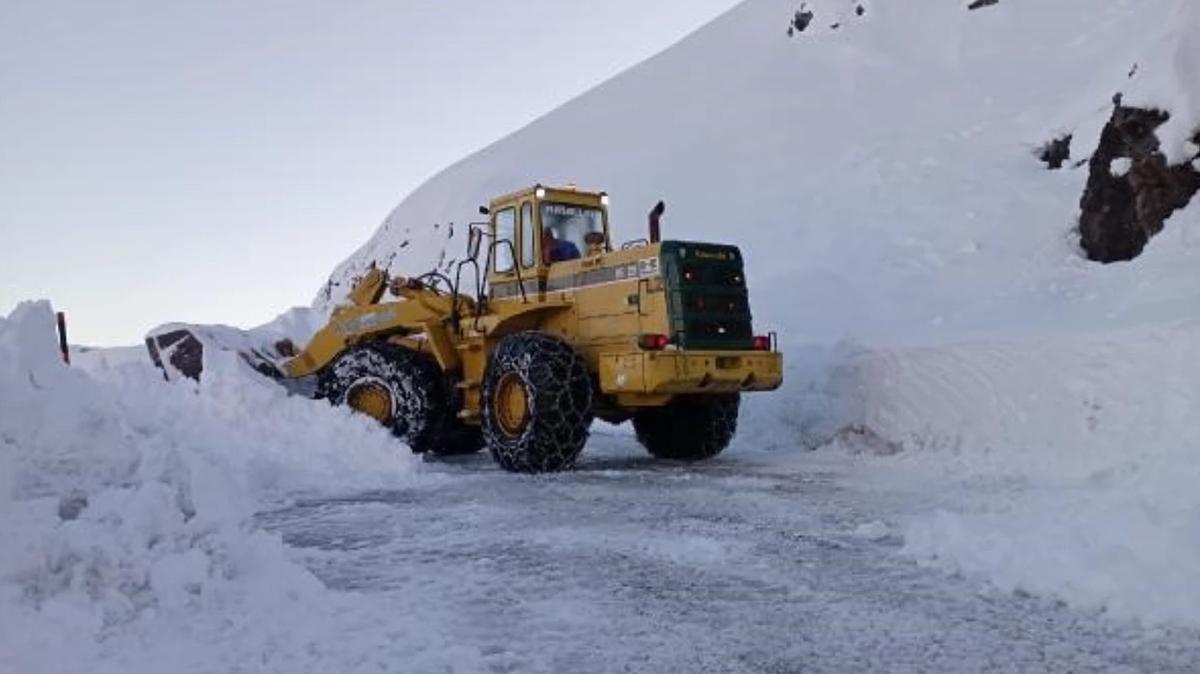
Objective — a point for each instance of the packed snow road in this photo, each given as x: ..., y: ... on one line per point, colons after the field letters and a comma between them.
x: 630, y: 564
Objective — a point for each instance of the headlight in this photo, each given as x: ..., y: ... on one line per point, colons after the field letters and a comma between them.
x: 540, y: 193
x: 603, y: 199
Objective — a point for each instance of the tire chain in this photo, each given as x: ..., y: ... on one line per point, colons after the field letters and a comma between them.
x: 414, y: 381
x: 559, y: 393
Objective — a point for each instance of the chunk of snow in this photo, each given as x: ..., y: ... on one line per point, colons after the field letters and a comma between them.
x: 872, y: 531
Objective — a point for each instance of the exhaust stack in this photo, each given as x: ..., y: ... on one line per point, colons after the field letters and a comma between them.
x: 655, y: 218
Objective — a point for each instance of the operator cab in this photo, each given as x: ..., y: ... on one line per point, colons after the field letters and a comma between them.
x: 538, y: 227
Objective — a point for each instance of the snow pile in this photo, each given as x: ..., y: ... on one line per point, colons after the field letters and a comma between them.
x: 1078, y: 454
x: 126, y: 506
x: 878, y: 170
x: 264, y: 347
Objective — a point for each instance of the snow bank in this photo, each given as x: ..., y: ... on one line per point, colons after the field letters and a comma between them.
x: 1081, y: 455
x: 126, y: 508
x: 1060, y: 463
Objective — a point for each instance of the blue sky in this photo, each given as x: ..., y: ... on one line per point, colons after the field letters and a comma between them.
x: 211, y: 162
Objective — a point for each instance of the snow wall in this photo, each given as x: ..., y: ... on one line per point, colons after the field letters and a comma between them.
x: 127, y: 510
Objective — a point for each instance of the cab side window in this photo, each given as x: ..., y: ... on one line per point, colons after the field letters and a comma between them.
x: 505, y: 231
x: 527, y: 236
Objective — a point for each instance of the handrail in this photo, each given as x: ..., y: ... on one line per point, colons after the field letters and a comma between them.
x: 458, y: 281
x: 516, y: 267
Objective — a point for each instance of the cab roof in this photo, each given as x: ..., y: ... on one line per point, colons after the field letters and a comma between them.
x: 567, y: 193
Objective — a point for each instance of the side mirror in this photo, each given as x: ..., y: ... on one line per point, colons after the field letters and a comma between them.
x: 474, y: 242
x: 484, y: 210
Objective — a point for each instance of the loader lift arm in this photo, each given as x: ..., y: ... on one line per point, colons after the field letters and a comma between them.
x: 421, y: 310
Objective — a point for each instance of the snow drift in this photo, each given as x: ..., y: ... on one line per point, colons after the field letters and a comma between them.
x: 126, y: 508
x: 1076, y: 456
x: 879, y: 171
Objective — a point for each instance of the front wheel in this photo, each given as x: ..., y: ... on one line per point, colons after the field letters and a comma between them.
x: 399, y: 388
x: 537, y: 403
x: 689, y: 428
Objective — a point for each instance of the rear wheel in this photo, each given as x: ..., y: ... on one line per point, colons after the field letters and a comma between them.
x: 399, y: 388
x: 689, y: 428
x: 537, y: 403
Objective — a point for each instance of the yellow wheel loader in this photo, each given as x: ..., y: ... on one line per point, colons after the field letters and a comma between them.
x: 557, y: 326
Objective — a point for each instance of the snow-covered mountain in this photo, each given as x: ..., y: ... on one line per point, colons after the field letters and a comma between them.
x: 881, y: 176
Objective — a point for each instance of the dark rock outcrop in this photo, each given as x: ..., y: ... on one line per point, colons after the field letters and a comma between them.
x: 800, y: 20
x: 1056, y: 152
x: 1120, y: 212
x: 979, y: 4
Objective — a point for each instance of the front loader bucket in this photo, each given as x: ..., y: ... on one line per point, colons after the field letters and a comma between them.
x: 179, y: 350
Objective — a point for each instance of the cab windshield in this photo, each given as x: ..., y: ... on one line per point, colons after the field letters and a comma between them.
x: 570, y: 224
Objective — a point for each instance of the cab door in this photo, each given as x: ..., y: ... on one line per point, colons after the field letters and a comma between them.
x: 532, y: 270
x: 503, y: 279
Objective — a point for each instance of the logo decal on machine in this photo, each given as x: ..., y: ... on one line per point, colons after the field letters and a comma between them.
x: 645, y: 268
x: 366, y: 322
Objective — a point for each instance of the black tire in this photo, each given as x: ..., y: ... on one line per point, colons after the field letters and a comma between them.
x: 419, y: 408
x: 557, y: 389
x: 689, y: 428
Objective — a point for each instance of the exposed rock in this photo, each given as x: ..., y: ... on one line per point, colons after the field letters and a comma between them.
x: 978, y: 4
x: 1056, y: 152
x: 72, y: 505
x: 1119, y: 213
x: 800, y: 21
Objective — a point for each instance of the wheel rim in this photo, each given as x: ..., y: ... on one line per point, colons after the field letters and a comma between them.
x: 511, y: 403
x: 372, y: 398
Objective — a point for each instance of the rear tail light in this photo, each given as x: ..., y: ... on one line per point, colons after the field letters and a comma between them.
x: 652, y: 342
x: 762, y: 343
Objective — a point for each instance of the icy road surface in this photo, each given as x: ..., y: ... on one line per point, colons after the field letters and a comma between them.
x: 634, y: 565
